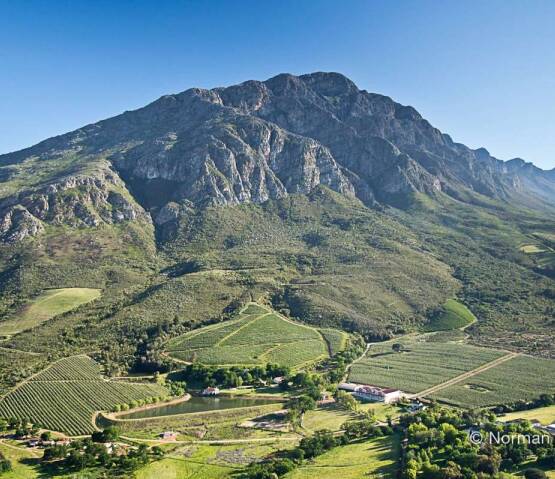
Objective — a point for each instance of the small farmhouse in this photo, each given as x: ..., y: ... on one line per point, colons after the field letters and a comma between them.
x: 210, y: 391
x: 366, y: 392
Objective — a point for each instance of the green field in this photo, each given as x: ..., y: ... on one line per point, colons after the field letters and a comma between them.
x: 207, y: 461
x: 337, y: 340
x: 64, y: 396
x: 257, y: 335
x: 453, y: 315
x: 374, y: 458
x: 523, y: 377
x: 47, y: 305
x: 543, y: 415
x: 24, y: 463
x: 181, y: 468
x: 421, y: 364
x: 531, y: 249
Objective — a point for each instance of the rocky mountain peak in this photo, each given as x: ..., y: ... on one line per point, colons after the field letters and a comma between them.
x: 249, y: 143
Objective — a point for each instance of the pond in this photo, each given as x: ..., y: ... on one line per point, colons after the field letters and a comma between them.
x: 198, y: 404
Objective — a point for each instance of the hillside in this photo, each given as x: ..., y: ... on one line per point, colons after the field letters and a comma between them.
x: 343, y: 208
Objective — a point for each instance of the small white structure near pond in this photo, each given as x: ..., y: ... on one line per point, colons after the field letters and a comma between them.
x: 210, y: 391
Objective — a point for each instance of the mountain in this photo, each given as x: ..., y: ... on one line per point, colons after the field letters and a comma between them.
x: 341, y: 207
x: 249, y: 143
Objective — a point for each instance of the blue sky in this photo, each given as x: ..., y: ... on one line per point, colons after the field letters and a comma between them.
x: 482, y: 71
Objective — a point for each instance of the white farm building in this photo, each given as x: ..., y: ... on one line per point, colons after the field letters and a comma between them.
x: 367, y: 392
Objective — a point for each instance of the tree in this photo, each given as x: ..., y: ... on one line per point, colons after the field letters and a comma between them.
x: 534, y: 473
x: 397, y: 347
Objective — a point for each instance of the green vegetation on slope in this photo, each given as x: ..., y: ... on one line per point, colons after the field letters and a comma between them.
x: 258, y: 338
x: 361, y: 459
x: 452, y: 315
x: 47, y: 305
x: 65, y: 396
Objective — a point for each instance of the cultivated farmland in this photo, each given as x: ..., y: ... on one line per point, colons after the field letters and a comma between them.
x: 47, y: 305
x: 521, y: 378
x: 421, y: 364
x: 64, y: 396
x: 453, y: 315
x: 257, y: 336
x: 337, y: 340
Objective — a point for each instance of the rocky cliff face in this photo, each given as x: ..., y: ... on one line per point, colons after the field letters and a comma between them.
x: 249, y: 143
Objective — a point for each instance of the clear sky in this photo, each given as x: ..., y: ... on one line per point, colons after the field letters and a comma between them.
x: 482, y: 71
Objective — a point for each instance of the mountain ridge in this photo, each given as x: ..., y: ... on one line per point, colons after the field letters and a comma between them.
x: 255, y: 141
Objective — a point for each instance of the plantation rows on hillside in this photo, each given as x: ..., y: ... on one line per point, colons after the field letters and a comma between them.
x: 257, y: 336
x: 521, y: 378
x: 65, y: 396
x: 420, y: 364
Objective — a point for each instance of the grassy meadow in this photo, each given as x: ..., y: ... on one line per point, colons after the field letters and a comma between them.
x: 543, y: 415
x: 373, y: 458
x: 48, y: 304
x: 452, y: 315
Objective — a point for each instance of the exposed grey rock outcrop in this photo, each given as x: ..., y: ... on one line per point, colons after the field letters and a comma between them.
x: 250, y: 143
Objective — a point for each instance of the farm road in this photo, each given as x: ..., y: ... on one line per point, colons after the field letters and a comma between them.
x: 215, y: 441
x: 462, y: 377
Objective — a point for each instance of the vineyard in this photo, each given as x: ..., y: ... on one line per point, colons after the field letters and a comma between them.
x: 453, y: 315
x: 521, y: 378
x: 337, y: 340
x: 419, y: 365
x: 65, y: 396
x: 257, y: 335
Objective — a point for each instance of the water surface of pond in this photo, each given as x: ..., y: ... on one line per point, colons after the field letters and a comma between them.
x: 198, y: 404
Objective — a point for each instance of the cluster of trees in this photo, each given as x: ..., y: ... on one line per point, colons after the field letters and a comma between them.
x: 437, y: 445
x: 337, y: 366
x: 228, y: 377
x: 21, y: 427
x: 92, y: 452
x: 176, y: 389
x: 5, y: 464
x: 313, y: 446
x: 542, y: 401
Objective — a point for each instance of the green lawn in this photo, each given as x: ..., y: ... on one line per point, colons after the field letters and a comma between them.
x: 181, y: 468
x: 454, y: 315
x: 331, y: 418
x: 544, y: 415
x: 206, y: 461
x: 374, y: 458
x: 24, y: 463
x: 257, y: 335
x: 47, y: 305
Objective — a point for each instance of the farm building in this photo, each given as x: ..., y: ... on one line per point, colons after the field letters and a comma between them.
x: 367, y: 392
x: 169, y: 435
x: 210, y: 391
